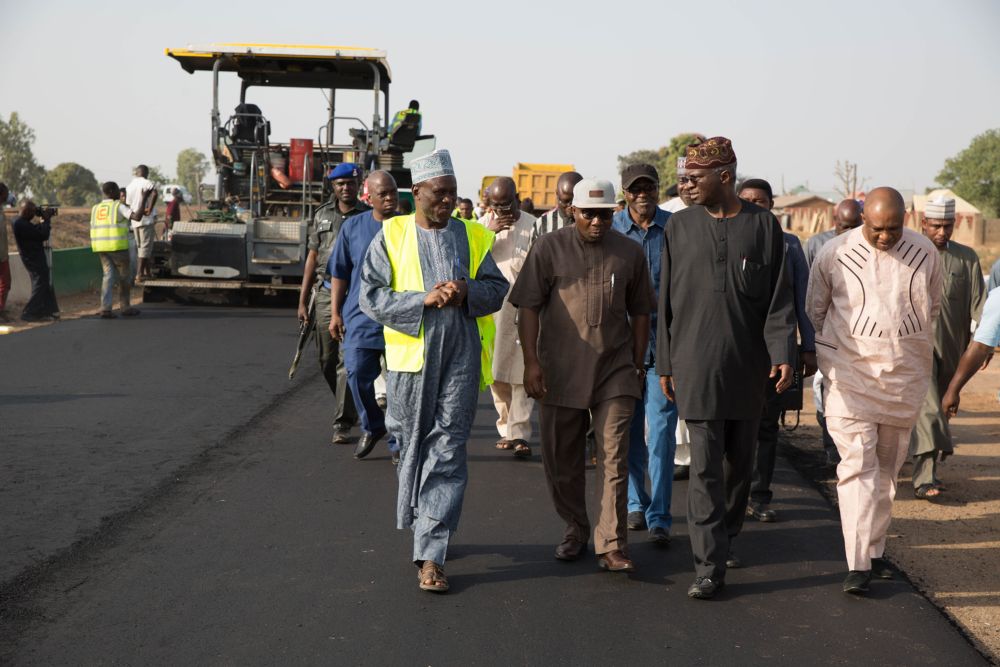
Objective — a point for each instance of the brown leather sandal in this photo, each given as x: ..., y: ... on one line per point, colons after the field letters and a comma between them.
x: 521, y: 449
x: 432, y: 578
x: 505, y: 444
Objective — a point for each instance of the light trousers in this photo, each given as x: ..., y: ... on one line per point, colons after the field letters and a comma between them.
x: 513, y: 410
x: 682, y: 449
x: 117, y: 270
x: 870, y: 458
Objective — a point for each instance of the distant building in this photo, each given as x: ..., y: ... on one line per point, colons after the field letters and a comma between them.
x: 806, y: 212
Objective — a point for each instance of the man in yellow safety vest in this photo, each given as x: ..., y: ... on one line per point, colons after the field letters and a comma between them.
x: 431, y: 281
x: 109, y: 225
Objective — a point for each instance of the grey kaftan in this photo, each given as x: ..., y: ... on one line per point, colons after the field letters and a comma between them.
x: 961, y: 302
x: 431, y: 411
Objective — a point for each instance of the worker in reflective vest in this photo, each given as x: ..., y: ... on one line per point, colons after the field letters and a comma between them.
x: 397, y: 120
x: 109, y: 226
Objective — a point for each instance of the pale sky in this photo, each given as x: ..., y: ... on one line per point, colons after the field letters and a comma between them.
x: 895, y: 86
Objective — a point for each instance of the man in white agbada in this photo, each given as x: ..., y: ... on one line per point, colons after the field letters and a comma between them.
x: 513, y: 228
x: 431, y: 281
x: 874, y: 294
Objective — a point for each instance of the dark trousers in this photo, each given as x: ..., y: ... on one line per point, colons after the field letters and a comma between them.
x: 43, y: 298
x: 4, y: 282
x: 767, y: 449
x: 331, y: 362
x: 563, y: 433
x: 719, y: 488
x: 364, y: 365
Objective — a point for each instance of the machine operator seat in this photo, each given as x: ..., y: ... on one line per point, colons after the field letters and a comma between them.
x: 249, y: 125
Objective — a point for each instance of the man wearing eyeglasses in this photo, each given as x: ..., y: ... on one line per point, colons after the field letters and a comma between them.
x: 512, y: 227
x: 652, y: 438
x: 725, y: 324
x: 585, y: 298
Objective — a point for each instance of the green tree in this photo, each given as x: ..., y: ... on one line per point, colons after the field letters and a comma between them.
x: 974, y: 174
x: 71, y: 184
x: 191, y: 168
x: 663, y: 158
x: 18, y: 167
x: 158, y: 177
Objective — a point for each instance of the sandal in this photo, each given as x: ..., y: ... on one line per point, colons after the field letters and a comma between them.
x: 505, y: 444
x: 926, y: 492
x: 521, y: 449
x: 432, y: 577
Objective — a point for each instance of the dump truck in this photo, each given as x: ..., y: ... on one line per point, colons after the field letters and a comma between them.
x: 252, y: 236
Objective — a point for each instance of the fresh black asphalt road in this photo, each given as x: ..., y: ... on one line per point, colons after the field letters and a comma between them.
x: 169, y: 498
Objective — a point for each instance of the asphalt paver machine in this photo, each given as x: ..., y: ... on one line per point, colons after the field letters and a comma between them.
x: 252, y: 236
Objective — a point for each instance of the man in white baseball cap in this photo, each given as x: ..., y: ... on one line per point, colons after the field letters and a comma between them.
x: 584, y: 298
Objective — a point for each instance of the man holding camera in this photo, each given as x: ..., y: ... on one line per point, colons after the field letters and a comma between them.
x: 30, y: 239
x: 4, y: 258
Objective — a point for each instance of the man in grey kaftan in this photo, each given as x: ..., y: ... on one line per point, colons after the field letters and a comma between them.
x: 430, y: 412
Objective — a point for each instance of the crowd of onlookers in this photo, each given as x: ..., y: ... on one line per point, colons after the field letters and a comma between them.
x: 122, y: 238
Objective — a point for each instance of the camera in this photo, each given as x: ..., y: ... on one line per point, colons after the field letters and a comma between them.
x: 47, y: 211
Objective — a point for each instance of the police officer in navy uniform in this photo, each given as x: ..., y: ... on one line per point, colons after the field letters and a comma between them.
x: 327, y: 220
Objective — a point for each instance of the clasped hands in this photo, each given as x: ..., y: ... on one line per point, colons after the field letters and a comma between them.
x: 448, y: 293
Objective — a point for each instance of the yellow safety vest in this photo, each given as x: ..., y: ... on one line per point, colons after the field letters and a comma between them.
x: 406, y: 353
x: 107, y: 232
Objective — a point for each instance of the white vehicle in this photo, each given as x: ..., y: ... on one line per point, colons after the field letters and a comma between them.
x: 167, y: 193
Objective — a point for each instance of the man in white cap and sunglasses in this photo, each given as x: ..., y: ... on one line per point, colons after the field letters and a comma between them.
x: 584, y: 298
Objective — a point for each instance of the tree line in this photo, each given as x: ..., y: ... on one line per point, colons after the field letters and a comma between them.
x: 973, y: 174
x: 70, y: 183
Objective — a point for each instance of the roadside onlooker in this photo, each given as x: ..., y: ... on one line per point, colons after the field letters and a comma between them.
x: 140, y: 195
x: 109, y: 224
x: 4, y: 256
x: 30, y: 239
x: 173, y: 210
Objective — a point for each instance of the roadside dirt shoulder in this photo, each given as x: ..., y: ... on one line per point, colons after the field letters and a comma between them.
x: 950, y: 547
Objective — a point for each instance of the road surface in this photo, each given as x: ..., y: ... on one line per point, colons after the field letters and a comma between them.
x: 171, y: 498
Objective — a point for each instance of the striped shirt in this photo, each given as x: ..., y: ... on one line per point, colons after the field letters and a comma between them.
x: 549, y: 222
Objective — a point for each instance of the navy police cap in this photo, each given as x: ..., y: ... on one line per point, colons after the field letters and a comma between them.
x: 345, y: 170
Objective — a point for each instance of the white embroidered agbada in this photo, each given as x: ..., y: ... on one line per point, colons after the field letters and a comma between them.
x: 874, y: 315
x: 510, y: 248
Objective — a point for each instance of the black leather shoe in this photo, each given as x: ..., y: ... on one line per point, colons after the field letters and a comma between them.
x: 682, y: 472
x: 704, y: 588
x: 636, y: 521
x: 341, y: 435
x: 659, y: 536
x: 733, y: 561
x: 570, y: 549
x: 761, y: 512
x: 857, y: 582
x: 366, y: 444
x: 882, y: 569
